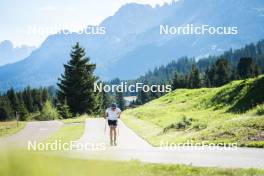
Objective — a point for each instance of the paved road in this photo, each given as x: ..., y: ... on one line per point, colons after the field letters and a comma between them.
x: 130, y: 146
x: 33, y: 131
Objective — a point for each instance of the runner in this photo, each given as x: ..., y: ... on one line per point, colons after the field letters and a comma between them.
x: 112, y: 115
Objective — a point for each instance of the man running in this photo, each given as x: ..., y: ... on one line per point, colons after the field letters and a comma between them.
x: 112, y: 114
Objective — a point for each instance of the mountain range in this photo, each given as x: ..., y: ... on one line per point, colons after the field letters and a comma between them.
x: 10, y: 54
x: 132, y: 44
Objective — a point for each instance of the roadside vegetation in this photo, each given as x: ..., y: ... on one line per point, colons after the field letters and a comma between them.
x: 71, y: 130
x: 21, y: 163
x: 10, y: 127
x: 229, y: 114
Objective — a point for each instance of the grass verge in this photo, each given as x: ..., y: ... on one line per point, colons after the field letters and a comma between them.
x: 71, y: 130
x: 10, y: 127
x: 21, y: 163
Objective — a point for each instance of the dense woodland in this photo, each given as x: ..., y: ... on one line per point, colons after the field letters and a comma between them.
x: 21, y: 104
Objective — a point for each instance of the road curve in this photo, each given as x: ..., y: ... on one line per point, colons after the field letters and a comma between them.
x: 131, y: 146
x: 33, y: 131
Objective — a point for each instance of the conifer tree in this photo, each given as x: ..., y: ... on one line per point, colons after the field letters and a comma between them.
x: 194, y: 77
x: 12, y: 99
x: 5, y: 109
x: 120, y: 100
x: 77, y: 83
x: 222, y: 72
x: 247, y: 68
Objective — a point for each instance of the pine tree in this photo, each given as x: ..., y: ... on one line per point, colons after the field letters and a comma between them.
x: 22, y: 111
x: 5, y: 109
x: 105, y: 100
x: 27, y: 99
x: 194, y: 77
x: 247, y: 68
x: 37, y: 99
x: 142, y: 97
x: 207, y: 77
x: 222, y: 72
x: 13, y: 99
x: 64, y: 110
x: 176, y: 81
x: 120, y: 100
x: 44, y: 95
x: 77, y: 82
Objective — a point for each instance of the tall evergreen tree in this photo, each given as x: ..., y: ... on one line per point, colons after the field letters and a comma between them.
x: 142, y: 97
x: 22, y: 110
x: 179, y: 81
x: 194, y: 77
x: 27, y: 99
x: 222, y: 72
x: 247, y: 68
x: 13, y: 99
x: 36, y: 96
x: 105, y: 100
x: 64, y: 110
x: 77, y: 83
x: 120, y: 100
x: 44, y: 95
x: 176, y: 81
x: 5, y: 109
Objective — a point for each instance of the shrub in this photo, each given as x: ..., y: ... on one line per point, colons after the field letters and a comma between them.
x: 183, y: 124
x: 199, y: 126
x: 64, y: 110
x: 48, y: 112
x: 260, y: 109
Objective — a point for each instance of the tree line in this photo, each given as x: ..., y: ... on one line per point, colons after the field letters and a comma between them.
x: 22, y: 103
x: 212, y: 71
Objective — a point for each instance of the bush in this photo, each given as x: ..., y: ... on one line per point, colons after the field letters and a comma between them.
x: 64, y: 110
x: 260, y: 109
x: 199, y: 126
x: 48, y: 112
x: 183, y: 124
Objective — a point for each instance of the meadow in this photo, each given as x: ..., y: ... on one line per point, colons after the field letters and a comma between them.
x: 233, y: 113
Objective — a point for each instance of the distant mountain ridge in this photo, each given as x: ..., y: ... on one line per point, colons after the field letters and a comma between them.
x: 10, y: 54
x: 132, y: 44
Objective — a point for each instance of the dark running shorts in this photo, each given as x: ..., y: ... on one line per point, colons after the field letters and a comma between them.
x: 112, y: 123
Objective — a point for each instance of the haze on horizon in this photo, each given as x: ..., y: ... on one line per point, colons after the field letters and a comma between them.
x: 16, y: 16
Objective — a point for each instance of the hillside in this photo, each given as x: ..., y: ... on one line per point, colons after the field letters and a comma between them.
x: 231, y: 113
x: 133, y: 45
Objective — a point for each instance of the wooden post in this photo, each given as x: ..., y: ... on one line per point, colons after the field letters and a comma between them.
x: 17, y: 118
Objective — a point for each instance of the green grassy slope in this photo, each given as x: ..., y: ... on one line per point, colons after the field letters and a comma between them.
x: 229, y: 114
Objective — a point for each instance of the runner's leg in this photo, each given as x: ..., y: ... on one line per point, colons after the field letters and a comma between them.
x: 114, y: 129
x: 111, y: 135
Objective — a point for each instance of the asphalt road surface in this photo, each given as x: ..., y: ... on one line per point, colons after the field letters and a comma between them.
x: 131, y: 146
x: 33, y: 131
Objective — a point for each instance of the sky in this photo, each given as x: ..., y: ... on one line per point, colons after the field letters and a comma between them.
x: 19, y: 18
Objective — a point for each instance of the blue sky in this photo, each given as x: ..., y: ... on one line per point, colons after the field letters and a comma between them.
x: 16, y: 16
